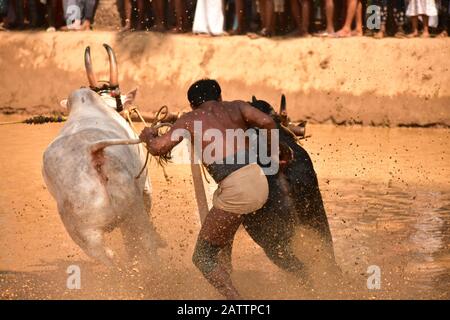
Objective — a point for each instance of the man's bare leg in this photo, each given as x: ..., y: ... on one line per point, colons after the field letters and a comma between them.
x: 216, y: 235
x: 181, y: 16
x: 127, y: 12
x: 358, y: 20
x: 267, y: 15
x: 329, y: 11
x: 141, y: 15
x: 380, y: 34
x: 306, y: 11
x: 296, y: 13
x: 415, y: 27
x: 240, y: 7
x: 426, y: 32
x: 346, y: 30
x: 158, y: 9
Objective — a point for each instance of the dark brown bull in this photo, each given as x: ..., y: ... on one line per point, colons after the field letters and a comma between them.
x: 294, y: 201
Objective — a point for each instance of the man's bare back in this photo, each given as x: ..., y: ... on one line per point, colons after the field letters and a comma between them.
x: 217, y: 115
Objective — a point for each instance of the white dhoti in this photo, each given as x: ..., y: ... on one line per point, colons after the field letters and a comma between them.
x: 208, y: 17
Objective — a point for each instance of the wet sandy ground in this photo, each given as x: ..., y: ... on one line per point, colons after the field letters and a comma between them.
x: 386, y: 192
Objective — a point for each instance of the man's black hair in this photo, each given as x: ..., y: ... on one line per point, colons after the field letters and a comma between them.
x: 202, y: 91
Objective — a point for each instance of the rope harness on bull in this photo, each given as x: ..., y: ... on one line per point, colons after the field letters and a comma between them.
x: 157, y: 123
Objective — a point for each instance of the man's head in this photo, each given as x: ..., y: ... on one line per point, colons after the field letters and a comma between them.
x: 202, y: 91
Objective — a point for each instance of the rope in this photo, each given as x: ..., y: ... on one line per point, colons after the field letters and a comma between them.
x: 156, y: 123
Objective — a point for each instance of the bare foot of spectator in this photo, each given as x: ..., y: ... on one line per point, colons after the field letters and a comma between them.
x: 379, y: 35
x: 158, y: 28
x: 127, y: 26
x: 237, y: 32
x: 425, y: 35
x: 177, y: 30
x: 400, y: 34
x: 262, y: 33
x: 357, y: 33
x: 443, y: 34
x: 414, y: 34
x: 343, y: 33
x: 305, y: 35
x: 86, y: 26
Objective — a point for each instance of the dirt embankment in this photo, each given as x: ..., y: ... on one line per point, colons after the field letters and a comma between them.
x: 360, y: 80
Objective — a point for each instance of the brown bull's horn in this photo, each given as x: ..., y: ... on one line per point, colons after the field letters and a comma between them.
x: 89, y: 69
x: 113, y: 70
x: 283, y: 110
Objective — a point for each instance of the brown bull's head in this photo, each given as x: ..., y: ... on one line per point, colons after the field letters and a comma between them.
x: 282, y: 117
x: 109, y: 90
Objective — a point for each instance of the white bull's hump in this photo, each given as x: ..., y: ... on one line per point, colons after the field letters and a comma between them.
x: 87, y: 109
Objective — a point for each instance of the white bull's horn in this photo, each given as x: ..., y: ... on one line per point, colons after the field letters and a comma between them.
x: 113, y: 70
x: 89, y: 70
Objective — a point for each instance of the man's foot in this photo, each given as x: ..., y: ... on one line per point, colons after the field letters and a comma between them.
x: 343, y: 33
x: 158, y: 28
x: 379, y: 35
x: 414, y: 34
x: 400, y: 35
x: 86, y: 26
x: 443, y: 34
x: 126, y: 27
x: 177, y: 30
x: 264, y: 32
x: 357, y: 33
x: 237, y: 32
x: 425, y: 35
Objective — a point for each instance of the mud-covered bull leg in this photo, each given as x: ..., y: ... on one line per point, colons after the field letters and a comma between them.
x: 273, y: 235
x: 140, y: 237
x: 147, y: 198
x: 92, y: 243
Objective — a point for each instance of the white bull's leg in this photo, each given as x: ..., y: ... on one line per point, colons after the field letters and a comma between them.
x: 140, y: 237
x: 148, y: 206
x: 147, y: 196
x: 93, y: 245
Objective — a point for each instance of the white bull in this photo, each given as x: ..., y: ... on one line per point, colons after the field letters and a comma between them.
x: 96, y: 188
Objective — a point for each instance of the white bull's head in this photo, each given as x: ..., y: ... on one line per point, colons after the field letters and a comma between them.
x: 109, y: 91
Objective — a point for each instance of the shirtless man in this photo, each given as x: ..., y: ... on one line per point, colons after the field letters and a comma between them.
x: 242, y: 188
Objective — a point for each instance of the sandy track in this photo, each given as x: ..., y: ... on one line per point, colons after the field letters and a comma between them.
x: 375, y: 186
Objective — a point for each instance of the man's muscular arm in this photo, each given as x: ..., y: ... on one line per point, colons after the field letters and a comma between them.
x: 255, y: 118
x: 159, y: 145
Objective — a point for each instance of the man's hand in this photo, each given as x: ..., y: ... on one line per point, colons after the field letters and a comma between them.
x: 148, y: 134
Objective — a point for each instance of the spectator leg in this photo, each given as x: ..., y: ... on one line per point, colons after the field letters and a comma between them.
x: 158, y: 9
x: 267, y: 15
x: 329, y: 12
x: 346, y: 30
x: 88, y: 14
x: 18, y: 8
x: 359, y: 19
x: 181, y: 16
x: 306, y: 13
x: 240, y: 15
x: 140, y: 7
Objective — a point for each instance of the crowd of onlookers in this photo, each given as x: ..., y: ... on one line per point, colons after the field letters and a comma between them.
x: 326, y: 18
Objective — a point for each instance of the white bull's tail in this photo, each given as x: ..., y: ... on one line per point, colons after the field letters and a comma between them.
x: 99, y: 145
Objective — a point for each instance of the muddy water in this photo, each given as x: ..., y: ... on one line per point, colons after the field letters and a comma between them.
x: 386, y: 192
